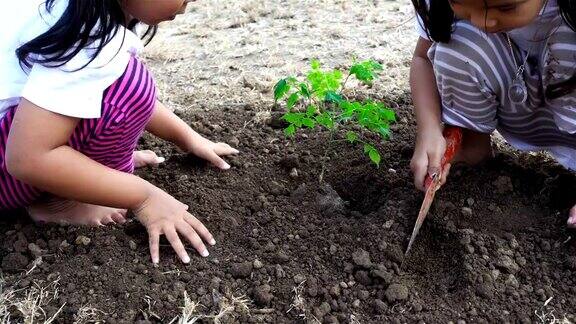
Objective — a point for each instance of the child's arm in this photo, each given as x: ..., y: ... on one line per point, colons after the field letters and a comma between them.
x: 37, y: 153
x: 166, y: 125
x: 430, y: 144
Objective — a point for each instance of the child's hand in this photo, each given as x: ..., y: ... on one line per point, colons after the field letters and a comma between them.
x: 210, y: 151
x: 162, y: 214
x: 430, y: 148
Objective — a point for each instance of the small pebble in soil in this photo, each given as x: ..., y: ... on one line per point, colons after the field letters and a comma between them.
x: 35, y: 250
x: 322, y: 310
x: 470, y: 202
x: 133, y: 245
x: 379, y: 306
x: 485, y: 290
x: 262, y: 295
x: 299, y: 278
x: 293, y: 173
x: 312, y: 287
x: 467, y: 211
x: 282, y: 257
x: 362, y: 258
x: 333, y: 249
x: 383, y: 274
x: 363, y: 278
x: 363, y: 294
x: 512, y: 281
x: 82, y: 240
x: 506, y: 263
x: 388, y: 224
x: 241, y: 270
x: 257, y: 264
x: 396, y: 292
x: 64, y: 245
x: 234, y: 141
x: 394, y: 252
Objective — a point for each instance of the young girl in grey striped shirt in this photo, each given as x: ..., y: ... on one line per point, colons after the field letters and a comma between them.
x: 508, y: 65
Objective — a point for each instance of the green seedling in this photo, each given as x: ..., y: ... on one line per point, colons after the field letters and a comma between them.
x: 319, y: 100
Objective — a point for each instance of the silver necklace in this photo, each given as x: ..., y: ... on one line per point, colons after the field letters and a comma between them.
x: 517, y: 91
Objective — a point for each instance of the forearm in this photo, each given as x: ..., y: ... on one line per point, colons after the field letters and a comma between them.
x: 68, y: 173
x: 166, y: 125
x: 425, y: 95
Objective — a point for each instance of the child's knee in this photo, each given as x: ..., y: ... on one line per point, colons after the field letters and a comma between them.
x: 476, y: 148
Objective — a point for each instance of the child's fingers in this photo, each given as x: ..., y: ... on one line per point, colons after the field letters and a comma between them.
x: 572, y: 218
x: 200, y: 229
x: 146, y: 157
x: 119, y: 218
x: 154, y: 243
x: 445, y: 174
x: 434, y: 162
x: 216, y: 160
x: 225, y: 149
x: 419, y: 169
x: 188, y: 232
x: 174, y: 239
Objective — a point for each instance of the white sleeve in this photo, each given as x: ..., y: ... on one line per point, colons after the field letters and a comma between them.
x: 78, y: 93
x: 420, y: 25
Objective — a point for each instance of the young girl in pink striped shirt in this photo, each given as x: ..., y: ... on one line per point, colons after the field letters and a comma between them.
x: 74, y: 100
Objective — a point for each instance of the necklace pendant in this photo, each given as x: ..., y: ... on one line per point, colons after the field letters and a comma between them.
x: 517, y: 92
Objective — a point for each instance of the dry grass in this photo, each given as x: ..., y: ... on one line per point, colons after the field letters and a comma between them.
x: 228, y: 305
x: 6, y: 301
x: 299, y: 304
x: 547, y: 314
x: 33, y: 300
x: 230, y: 53
x: 87, y: 314
x: 29, y: 303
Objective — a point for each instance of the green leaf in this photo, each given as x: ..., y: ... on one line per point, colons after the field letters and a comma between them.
x: 374, y: 156
x: 322, y: 82
x: 304, y: 90
x: 280, y: 89
x: 292, y: 118
x: 351, y: 136
x: 389, y: 114
x: 308, y: 122
x: 292, y: 100
x: 384, y: 131
x: 325, y: 120
x: 311, y: 111
x: 315, y: 64
x: 368, y: 148
x: 332, y: 96
x: 366, y: 71
x: 290, y: 130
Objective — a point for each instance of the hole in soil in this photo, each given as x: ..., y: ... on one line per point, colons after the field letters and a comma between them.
x: 365, y: 191
x: 437, y: 261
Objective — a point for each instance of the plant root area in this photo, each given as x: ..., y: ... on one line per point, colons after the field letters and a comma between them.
x: 292, y: 249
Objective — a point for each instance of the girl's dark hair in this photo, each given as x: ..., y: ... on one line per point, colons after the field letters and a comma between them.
x: 83, y: 23
x: 439, y: 17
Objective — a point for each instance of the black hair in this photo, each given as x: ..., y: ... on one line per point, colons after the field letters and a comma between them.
x: 83, y: 23
x: 439, y: 18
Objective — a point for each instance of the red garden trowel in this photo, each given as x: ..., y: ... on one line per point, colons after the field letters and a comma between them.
x: 453, y: 136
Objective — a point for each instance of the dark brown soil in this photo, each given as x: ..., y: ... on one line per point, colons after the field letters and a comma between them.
x: 493, y: 249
